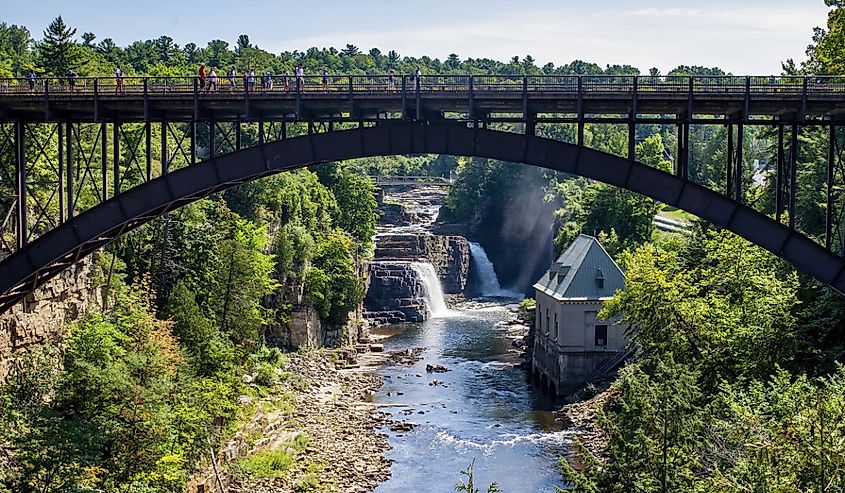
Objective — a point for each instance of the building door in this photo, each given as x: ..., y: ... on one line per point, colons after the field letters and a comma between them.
x: 589, y: 327
x: 601, y: 336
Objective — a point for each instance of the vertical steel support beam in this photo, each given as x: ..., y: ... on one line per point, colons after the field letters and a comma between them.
x: 729, y: 162
x: 831, y: 153
x: 351, y: 97
x: 685, y: 175
x: 69, y: 200
x: 793, y: 164
x: 196, y: 101
x: 779, y: 177
x: 96, y: 100
x: 419, y: 97
x: 471, y: 99
x: 146, y: 102
x: 165, y: 161
x: 193, y: 137
x: 238, y: 134
x: 740, y: 136
x: 116, y: 161
x: 261, y: 131
x: 404, y: 98
x: 298, y: 99
x: 61, y: 173
x: 525, y: 114
x: 47, y: 100
x: 20, y: 185
x: 284, y: 129
x: 104, y: 160
x: 632, y: 123
x: 212, y: 144
x: 580, y: 107
x: 148, y: 146
x: 679, y: 151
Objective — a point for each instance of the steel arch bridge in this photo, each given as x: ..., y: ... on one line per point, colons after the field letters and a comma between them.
x: 51, y: 166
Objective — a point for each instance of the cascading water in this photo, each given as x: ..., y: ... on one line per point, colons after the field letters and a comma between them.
x: 487, y: 279
x: 433, y: 290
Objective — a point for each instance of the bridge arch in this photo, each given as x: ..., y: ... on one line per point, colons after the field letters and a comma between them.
x: 30, y: 267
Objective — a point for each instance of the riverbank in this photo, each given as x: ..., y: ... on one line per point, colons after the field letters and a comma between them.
x: 322, y: 417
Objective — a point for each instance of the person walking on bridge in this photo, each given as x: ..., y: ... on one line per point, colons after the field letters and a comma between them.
x: 300, y: 78
x: 231, y: 76
x: 391, y: 82
x: 202, y: 77
x: 118, y: 79
x: 416, y: 77
x: 30, y: 78
x: 71, y: 79
x: 250, y: 80
x: 325, y: 81
x: 212, y: 80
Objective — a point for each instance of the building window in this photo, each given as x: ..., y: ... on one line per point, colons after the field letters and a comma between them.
x: 601, y: 335
x: 599, y: 279
x: 547, y: 321
x: 539, y: 317
x: 556, y: 333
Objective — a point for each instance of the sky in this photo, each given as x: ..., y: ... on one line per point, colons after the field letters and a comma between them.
x: 740, y: 36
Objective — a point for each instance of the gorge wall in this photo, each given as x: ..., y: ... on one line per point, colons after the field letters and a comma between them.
x: 44, y: 315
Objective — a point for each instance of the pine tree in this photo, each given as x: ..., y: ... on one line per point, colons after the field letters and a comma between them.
x: 58, y: 49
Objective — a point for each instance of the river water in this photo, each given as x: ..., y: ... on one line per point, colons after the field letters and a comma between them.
x: 484, y: 410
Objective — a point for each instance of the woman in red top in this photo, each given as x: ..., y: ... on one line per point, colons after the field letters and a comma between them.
x: 202, y: 77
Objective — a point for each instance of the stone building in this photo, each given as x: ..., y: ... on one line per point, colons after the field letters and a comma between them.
x: 571, y: 344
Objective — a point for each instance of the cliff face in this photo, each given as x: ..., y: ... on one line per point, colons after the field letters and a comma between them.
x: 43, y: 316
x: 448, y: 254
x: 396, y: 293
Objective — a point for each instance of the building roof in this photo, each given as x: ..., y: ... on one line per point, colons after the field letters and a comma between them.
x: 584, y: 271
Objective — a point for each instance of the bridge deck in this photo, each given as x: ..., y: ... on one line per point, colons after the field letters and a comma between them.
x: 544, y: 98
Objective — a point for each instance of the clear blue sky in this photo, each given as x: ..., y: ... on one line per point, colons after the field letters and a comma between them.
x: 747, y: 36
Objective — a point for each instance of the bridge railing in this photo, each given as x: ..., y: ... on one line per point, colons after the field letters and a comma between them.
x: 430, y: 84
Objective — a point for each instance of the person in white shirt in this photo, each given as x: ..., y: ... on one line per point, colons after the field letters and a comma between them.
x: 300, y: 77
x: 212, y: 80
x: 118, y: 77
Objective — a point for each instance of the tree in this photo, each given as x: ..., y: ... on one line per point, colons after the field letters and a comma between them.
x: 56, y: 50
x: 88, y: 38
x: 653, y: 433
x: 165, y: 48
x: 243, y: 42
x: 243, y: 277
x: 350, y: 51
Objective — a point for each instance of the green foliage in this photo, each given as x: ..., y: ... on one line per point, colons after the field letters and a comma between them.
x: 653, y: 435
x: 270, y: 464
x: 355, y: 195
x: 58, y: 51
x: 332, y: 285
x: 620, y: 219
x: 243, y: 279
x: 468, y: 486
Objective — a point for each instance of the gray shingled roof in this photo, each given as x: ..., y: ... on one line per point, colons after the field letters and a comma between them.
x: 574, y: 274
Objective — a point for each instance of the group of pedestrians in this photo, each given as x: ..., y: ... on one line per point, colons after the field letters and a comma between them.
x: 207, y: 80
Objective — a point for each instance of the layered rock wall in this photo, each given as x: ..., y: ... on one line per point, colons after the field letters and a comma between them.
x: 43, y: 316
x: 396, y: 293
x: 448, y: 254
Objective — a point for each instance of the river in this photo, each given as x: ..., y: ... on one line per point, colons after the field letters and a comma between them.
x: 485, y: 409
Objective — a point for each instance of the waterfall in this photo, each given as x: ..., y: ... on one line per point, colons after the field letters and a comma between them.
x: 433, y: 290
x: 487, y: 280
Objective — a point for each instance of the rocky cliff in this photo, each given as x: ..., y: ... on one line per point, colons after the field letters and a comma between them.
x: 448, y: 254
x: 396, y: 293
x: 43, y: 316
